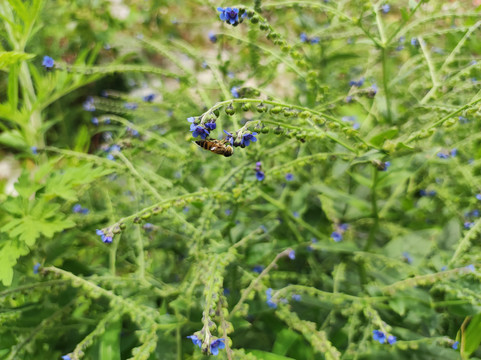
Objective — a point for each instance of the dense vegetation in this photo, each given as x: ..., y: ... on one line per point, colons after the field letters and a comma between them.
x: 266, y: 180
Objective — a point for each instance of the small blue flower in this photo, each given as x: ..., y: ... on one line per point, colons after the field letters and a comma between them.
x: 356, y: 126
x: 210, y: 126
x: 195, y: 340
x: 336, y: 236
x: 247, y: 138
x: 131, y: 106
x: 455, y: 345
x: 296, y: 297
x: 478, y: 196
x: 378, y: 335
x: 391, y: 339
x: 453, y: 152
x: 348, y: 99
x: 343, y: 227
x: 228, y: 212
x: 88, y: 105
x: 34, y: 150
x: 407, y: 257
x: 304, y: 37
x: 385, y: 8
x: 198, y: 130
x: 468, y: 224
x: 357, y: 83
x: 95, y: 121
x: 296, y: 214
x: 289, y: 177
x: 442, y: 155
x: 258, y: 269
x: 230, y: 15
x: 292, y: 255
x: 475, y: 213
x: 212, y: 37
x: 149, y: 98
x: 78, y: 209
x: 315, y: 40
x: 387, y: 164
x: 260, y: 175
x: 235, y: 92
x: 269, y: 301
x: 471, y: 268
x: 414, y: 41
x: 229, y: 137
x: 36, y: 267
x: 216, y: 345
x: 148, y: 227
x: 48, y: 62
x: 107, y: 239
x: 66, y: 357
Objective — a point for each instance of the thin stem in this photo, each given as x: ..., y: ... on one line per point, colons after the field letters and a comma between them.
x: 374, y: 209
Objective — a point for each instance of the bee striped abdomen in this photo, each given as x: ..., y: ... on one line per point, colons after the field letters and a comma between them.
x: 216, y: 146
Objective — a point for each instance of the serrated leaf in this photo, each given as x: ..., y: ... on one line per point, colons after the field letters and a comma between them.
x: 9, y: 253
x: 25, y: 187
x: 9, y: 58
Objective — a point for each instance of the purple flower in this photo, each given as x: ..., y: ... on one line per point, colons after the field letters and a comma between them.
x: 296, y: 297
x: 453, y: 152
x: 336, y: 236
x: 235, y: 92
x: 304, y: 37
x: 292, y: 255
x: 216, y: 345
x: 107, y: 239
x: 385, y: 8
x: 315, y: 40
x: 414, y: 41
x: 471, y: 268
x: 455, y: 345
x: 148, y: 227
x: 229, y: 137
x: 230, y: 15
x: 149, y: 98
x: 66, y: 357
x: 36, y: 267
x: 34, y: 150
x: 260, y: 175
x: 195, y: 340
x: 247, y: 138
x: 391, y: 339
x: 95, y: 121
x: 443, y: 155
x: 468, y: 224
x: 407, y: 257
x: 48, y: 62
x: 378, y: 335
x: 478, y: 196
x: 289, y: 177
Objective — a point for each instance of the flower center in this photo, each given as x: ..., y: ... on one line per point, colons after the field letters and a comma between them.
x: 232, y: 14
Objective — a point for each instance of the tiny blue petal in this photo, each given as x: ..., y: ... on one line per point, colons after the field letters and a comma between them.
x: 48, y: 62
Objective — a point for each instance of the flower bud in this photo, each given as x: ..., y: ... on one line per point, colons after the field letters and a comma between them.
x: 246, y: 107
x: 261, y: 108
x: 230, y: 110
x: 265, y: 130
x: 275, y: 110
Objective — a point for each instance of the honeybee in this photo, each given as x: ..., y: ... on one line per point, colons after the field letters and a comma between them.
x: 221, y: 147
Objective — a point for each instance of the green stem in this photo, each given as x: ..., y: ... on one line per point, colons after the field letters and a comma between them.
x: 374, y: 210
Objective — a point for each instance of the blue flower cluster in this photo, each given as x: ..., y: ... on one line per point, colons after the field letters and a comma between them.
x: 201, y: 130
x: 357, y: 83
x: 148, y: 98
x: 78, y: 209
x: 259, y: 173
x: 340, y: 230
x: 215, y: 345
x: 305, y: 39
x: 88, y: 105
x: 447, y: 155
x: 106, y: 238
x: 269, y: 301
x: 247, y: 138
x: 378, y: 335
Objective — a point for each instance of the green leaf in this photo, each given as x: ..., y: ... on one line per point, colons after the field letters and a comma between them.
x: 9, y: 253
x: 264, y: 355
x: 284, y: 340
x: 9, y: 58
x: 378, y: 140
x: 25, y: 187
x: 472, y: 337
x: 110, y: 341
x: 13, y: 139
